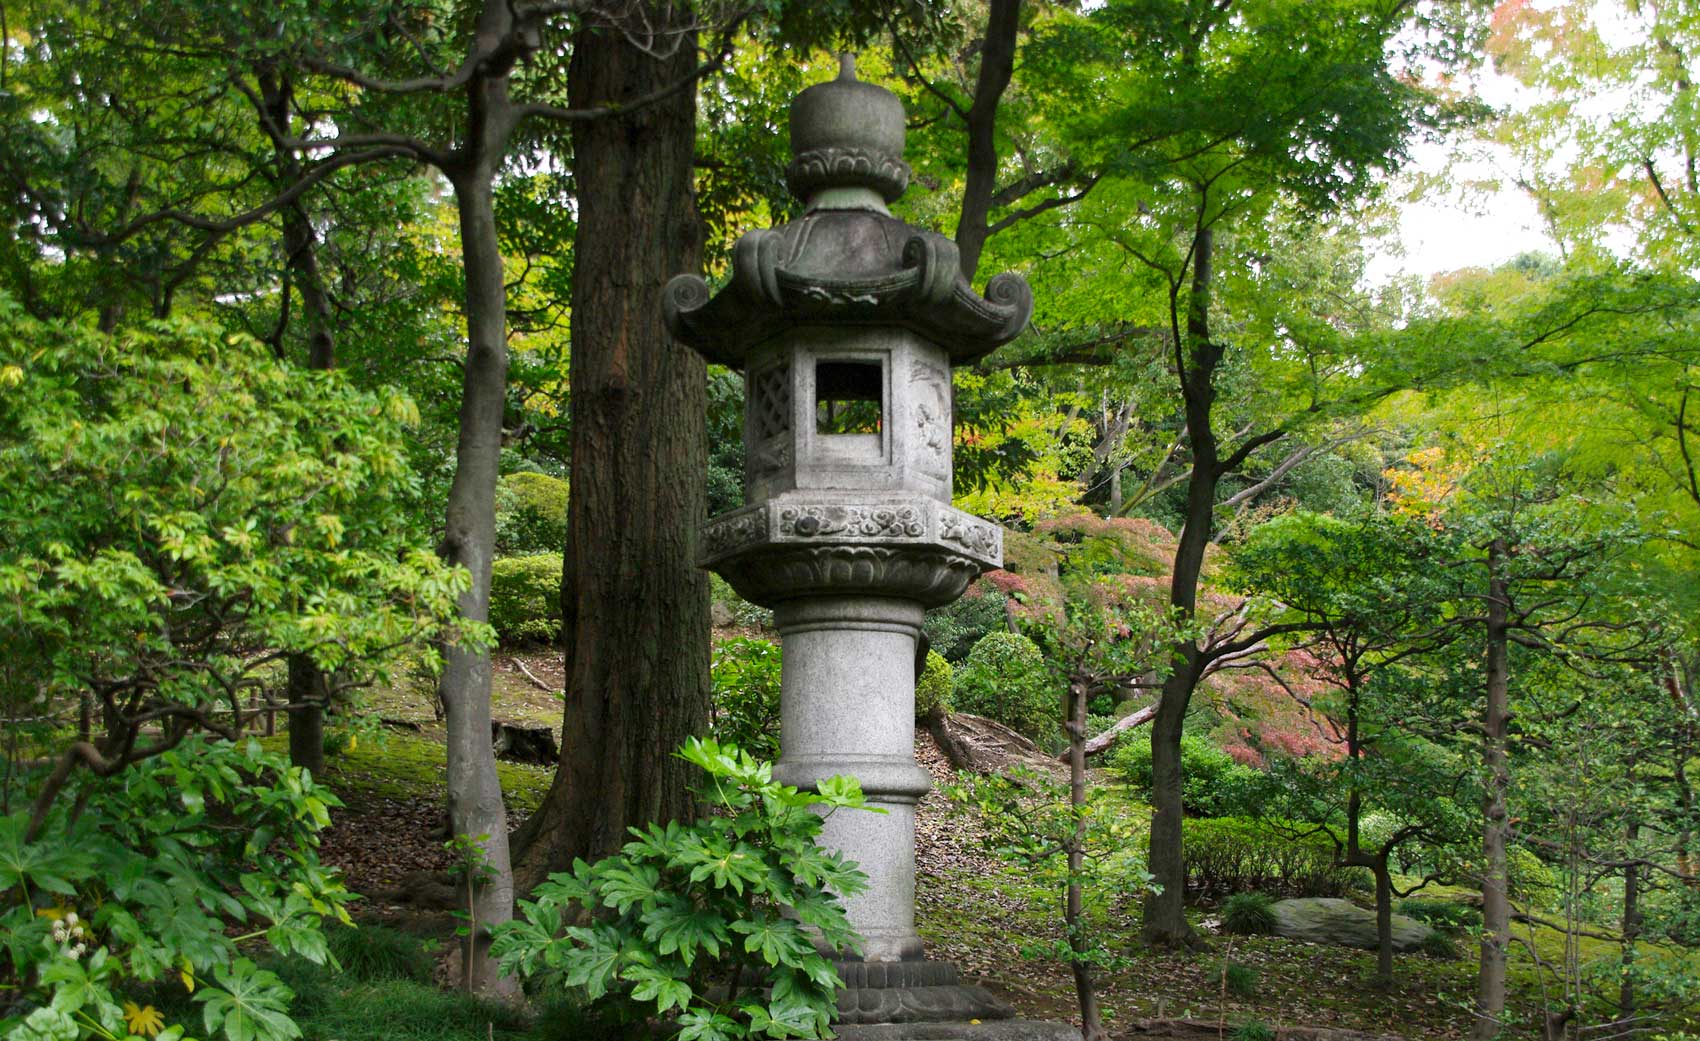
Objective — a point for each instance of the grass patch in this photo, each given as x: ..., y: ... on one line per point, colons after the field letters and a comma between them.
x: 374, y: 952
x: 402, y: 1010
x: 402, y: 765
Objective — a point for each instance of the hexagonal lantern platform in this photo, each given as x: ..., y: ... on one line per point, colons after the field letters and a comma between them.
x: 846, y: 323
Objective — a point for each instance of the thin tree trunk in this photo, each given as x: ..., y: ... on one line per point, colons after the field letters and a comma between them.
x: 1091, y: 1016
x: 475, y: 795
x: 306, y: 715
x: 635, y: 605
x: 307, y: 686
x: 1496, y: 899
x: 1383, y: 921
x: 1631, y: 914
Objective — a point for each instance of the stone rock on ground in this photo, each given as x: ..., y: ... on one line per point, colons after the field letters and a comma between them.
x: 1336, y: 921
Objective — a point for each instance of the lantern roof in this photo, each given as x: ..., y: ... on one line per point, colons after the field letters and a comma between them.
x: 847, y: 260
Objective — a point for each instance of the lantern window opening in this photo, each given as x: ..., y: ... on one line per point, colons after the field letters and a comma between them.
x: 849, y: 397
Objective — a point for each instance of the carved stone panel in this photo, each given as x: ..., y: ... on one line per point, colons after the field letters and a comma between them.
x: 929, y: 392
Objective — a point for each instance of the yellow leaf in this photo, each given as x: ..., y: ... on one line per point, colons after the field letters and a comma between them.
x: 144, y: 1020
x: 188, y: 975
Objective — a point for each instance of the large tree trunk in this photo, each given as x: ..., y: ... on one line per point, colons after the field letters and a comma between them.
x: 1165, y: 910
x: 635, y: 605
x: 1496, y: 881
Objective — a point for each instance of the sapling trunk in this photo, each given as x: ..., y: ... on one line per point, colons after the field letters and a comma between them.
x: 1091, y: 1017
x: 1496, y: 897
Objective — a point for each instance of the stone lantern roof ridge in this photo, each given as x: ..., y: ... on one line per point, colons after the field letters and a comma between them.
x: 847, y: 260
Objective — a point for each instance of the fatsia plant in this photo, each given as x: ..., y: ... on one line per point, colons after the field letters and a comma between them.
x: 149, y: 888
x: 179, y: 511
x: 711, y: 925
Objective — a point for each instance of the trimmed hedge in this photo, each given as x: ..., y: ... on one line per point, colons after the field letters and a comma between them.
x: 531, y: 514
x: 1005, y: 679
x: 933, y: 689
x: 1214, y: 785
x: 525, y: 598
x: 1234, y: 855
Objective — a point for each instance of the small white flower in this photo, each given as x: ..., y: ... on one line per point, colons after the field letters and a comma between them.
x: 71, y: 918
x: 77, y: 951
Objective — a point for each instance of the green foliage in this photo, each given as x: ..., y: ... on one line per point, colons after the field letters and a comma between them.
x: 531, y: 514
x: 745, y: 673
x: 743, y: 895
x: 1240, y: 979
x: 1253, y: 1030
x: 1004, y: 678
x: 376, y: 952
x: 406, y: 1010
x: 1031, y: 824
x: 1214, y: 784
x: 744, y: 613
x: 525, y: 599
x: 1440, y: 946
x: 149, y: 885
x: 1249, y: 914
x: 1451, y: 917
x: 955, y: 628
x: 178, y: 509
x: 1234, y: 855
x: 934, y: 690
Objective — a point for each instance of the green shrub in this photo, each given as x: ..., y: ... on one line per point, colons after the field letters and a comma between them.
x: 744, y: 613
x: 745, y: 673
x: 933, y: 690
x: 955, y: 628
x: 1249, y: 914
x: 525, y: 599
x: 1241, y: 980
x: 1005, y: 679
x: 1214, y: 784
x: 1531, y: 880
x: 1446, y: 916
x: 1440, y: 946
x: 743, y: 894
x: 1253, y: 1030
x: 1235, y: 855
x: 531, y: 514
x: 374, y: 952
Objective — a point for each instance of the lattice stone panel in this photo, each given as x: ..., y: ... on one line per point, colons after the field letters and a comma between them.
x: 771, y: 398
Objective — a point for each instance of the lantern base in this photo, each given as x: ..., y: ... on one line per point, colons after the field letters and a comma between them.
x: 912, y: 992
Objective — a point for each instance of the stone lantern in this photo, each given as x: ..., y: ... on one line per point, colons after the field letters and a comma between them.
x: 845, y: 323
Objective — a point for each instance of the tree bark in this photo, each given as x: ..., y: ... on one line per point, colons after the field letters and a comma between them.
x: 306, y: 715
x: 475, y: 795
x: 1074, y: 917
x: 1631, y: 912
x: 997, y: 64
x: 1496, y: 897
x: 307, y: 685
x: 635, y: 605
x: 1165, y: 921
